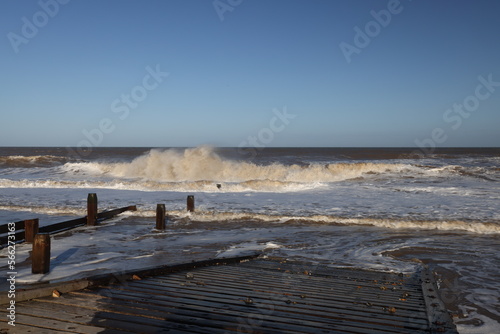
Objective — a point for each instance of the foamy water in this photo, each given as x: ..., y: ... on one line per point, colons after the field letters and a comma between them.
x: 371, y: 208
x: 160, y: 169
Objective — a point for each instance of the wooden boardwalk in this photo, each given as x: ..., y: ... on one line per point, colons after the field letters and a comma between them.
x: 254, y: 296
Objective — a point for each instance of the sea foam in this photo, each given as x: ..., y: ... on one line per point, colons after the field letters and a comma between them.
x: 204, y: 164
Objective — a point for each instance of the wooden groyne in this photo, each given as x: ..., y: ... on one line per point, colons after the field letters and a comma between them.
x: 243, y: 295
x: 25, y: 231
x: 29, y: 230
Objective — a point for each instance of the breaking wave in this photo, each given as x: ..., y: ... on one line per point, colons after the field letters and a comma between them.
x: 202, y: 169
x: 203, y: 164
x: 18, y: 161
x: 221, y: 217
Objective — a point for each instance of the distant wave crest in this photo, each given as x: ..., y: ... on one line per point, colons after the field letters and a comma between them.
x: 204, y: 164
x: 18, y: 161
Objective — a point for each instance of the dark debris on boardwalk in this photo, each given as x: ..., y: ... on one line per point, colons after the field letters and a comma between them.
x: 252, y: 296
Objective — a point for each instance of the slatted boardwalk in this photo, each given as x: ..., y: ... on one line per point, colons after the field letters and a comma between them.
x: 256, y: 296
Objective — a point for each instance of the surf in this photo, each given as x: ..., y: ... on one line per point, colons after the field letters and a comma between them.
x: 204, y: 164
x: 18, y: 161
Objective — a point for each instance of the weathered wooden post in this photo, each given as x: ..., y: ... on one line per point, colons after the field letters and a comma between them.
x: 30, y: 229
x: 41, y: 254
x: 160, y: 216
x: 91, y: 209
x: 190, y: 203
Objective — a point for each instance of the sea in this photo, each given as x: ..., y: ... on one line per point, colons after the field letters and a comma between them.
x: 390, y: 209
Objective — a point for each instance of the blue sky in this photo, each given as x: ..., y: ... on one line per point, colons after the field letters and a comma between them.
x: 77, y: 73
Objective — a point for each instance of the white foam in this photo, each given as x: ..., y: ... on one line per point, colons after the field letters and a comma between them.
x: 452, y: 225
x: 203, y: 164
x: 47, y: 210
x: 481, y: 324
x: 31, y: 161
x: 246, y: 247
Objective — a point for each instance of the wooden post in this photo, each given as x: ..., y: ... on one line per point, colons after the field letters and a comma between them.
x: 160, y: 216
x: 92, y: 209
x: 190, y: 203
x: 30, y: 229
x: 41, y: 254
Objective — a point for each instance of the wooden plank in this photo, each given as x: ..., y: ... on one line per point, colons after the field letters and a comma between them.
x: 29, y: 329
x: 286, y: 314
x: 389, y: 293
x: 312, y: 307
x: 99, y: 303
x: 315, y: 286
x: 182, y: 297
x: 39, y: 290
x: 302, y: 297
x: 349, y: 281
x: 83, y: 318
x: 215, y: 299
x: 50, y: 324
x: 141, y: 325
x: 323, y: 270
x: 44, y: 290
x: 246, y: 274
x: 106, y: 279
x: 257, y: 288
x: 63, y: 226
x: 438, y: 317
x: 111, y: 213
x: 4, y: 228
x: 274, y: 321
x: 70, y: 224
x: 18, y: 237
x: 171, y: 318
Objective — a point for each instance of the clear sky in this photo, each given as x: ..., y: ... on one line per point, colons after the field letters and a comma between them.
x: 250, y: 73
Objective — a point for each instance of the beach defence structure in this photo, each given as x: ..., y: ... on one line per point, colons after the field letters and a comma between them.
x: 190, y: 203
x: 26, y: 230
x: 30, y: 229
x: 160, y: 216
x: 40, y: 236
x: 92, y: 209
x: 41, y: 254
x: 161, y: 212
